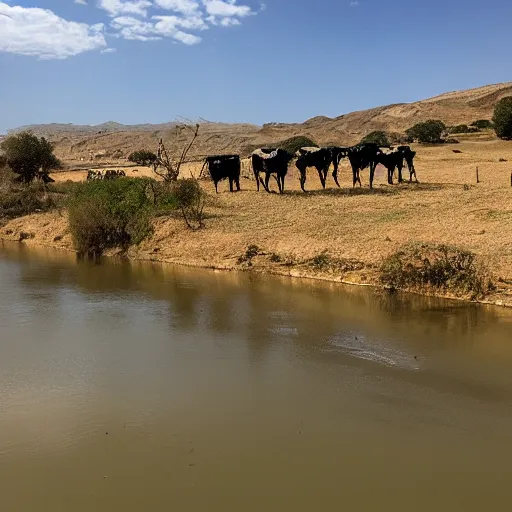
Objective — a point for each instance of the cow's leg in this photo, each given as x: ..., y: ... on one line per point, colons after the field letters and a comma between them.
x: 257, y: 178
x: 391, y: 171
x: 372, y: 173
x: 335, y: 172
x: 267, y: 179
x: 216, y: 190
x: 321, y: 176
x: 282, y: 184
x: 237, y: 183
x: 326, y: 170
x: 231, y: 184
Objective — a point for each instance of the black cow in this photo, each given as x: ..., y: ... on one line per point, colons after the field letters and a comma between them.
x: 408, y: 156
x: 392, y: 161
x: 270, y: 161
x: 320, y: 159
x: 223, y: 167
x: 337, y: 154
x: 363, y: 156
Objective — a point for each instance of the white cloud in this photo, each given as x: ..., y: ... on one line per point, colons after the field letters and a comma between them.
x: 109, y: 50
x: 40, y: 32
x: 187, y: 7
x: 119, y: 7
x: 354, y: 3
x: 81, y: 2
x: 228, y: 8
x: 133, y: 29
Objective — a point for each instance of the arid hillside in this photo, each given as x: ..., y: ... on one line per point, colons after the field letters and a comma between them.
x: 112, y: 142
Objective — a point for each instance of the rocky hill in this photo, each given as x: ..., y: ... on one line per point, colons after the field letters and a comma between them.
x: 115, y: 141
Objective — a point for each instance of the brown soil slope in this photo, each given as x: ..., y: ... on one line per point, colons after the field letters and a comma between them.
x: 113, y: 142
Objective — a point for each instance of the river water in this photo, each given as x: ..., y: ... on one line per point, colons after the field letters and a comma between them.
x: 145, y: 387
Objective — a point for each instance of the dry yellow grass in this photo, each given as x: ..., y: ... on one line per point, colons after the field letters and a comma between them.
x: 448, y: 206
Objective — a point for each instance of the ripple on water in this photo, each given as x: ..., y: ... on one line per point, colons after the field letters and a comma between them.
x: 377, y: 351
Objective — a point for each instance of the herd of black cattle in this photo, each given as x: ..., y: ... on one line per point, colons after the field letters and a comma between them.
x: 274, y: 162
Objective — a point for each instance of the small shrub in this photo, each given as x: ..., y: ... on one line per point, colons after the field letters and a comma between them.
x: 462, y: 128
x: 421, y: 266
x: 378, y: 137
x: 427, y: 132
x: 483, y: 124
x: 503, y: 118
x: 105, y: 214
x: 251, y: 252
x: 321, y: 260
x: 190, y: 199
x: 275, y: 258
x: 143, y: 157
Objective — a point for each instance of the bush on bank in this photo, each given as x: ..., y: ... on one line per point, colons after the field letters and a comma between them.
x: 422, y: 266
x: 104, y: 214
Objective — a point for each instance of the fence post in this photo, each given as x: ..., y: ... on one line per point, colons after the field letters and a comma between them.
x: 477, y: 177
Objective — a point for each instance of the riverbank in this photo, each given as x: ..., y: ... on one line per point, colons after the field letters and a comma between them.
x: 339, y: 235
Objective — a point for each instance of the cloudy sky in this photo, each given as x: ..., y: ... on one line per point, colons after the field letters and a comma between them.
x: 134, y: 61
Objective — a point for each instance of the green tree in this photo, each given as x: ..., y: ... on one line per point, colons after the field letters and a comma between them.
x: 29, y: 157
x: 503, y: 118
x: 430, y: 131
x: 143, y: 157
x: 378, y: 137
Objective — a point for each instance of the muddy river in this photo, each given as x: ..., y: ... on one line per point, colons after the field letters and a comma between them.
x: 145, y: 387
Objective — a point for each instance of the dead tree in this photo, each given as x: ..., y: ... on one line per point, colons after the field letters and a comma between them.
x: 167, y: 166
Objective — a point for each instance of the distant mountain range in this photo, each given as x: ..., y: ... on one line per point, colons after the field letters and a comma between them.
x: 75, y: 142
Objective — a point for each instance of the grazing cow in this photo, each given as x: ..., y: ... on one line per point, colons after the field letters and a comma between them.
x: 223, y: 167
x: 363, y: 156
x: 270, y: 161
x: 408, y: 155
x: 319, y: 158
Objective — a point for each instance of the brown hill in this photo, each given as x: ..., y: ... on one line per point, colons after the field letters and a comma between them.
x: 112, y: 141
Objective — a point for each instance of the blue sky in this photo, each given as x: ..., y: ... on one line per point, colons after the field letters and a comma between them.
x: 90, y: 61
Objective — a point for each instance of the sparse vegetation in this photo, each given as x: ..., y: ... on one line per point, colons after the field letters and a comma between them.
x: 18, y: 199
x: 420, y: 266
x: 275, y: 258
x: 503, y: 118
x: 143, y: 157
x: 29, y: 157
x: 428, y: 132
x: 378, y: 137
x: 251, y: 252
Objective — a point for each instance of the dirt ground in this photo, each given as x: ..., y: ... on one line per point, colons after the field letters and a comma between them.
x: 447, y: 206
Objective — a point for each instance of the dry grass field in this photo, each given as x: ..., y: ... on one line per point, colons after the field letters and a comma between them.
x: 357, y: 225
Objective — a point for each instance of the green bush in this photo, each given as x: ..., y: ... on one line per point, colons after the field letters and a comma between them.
x: 143, y: 157
x: 29, y: 157
x: 430, y: 131
x: 503, y: 118
x: 293, y: 144
x: 378, y: 137
x: 422, y: 265
x: 483, y: 124
x: 105, y: 214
